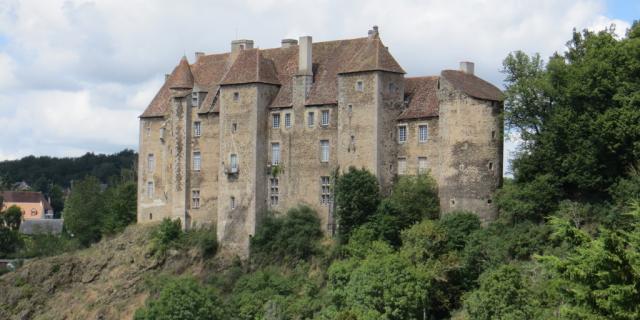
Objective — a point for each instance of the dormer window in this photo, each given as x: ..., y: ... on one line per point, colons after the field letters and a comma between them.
x: 359, y: 85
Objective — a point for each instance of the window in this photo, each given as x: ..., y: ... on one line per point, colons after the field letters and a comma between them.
x: 287, y: 120
x: 310, y: 119
x: 423, y: 132
x: 275, y: 153
x: 392, y: 87
x: 493, y: 135
x: 162, y: 131
x: 148, y: 129
x: 194, y: 99
x: 273, y: 191
x: 232, y: 203
x: 34, y: 212
x: 490, y: 165
x: 325, y: 118
x: 234, y: 127
x: 196, y: 161
x: 151, y: 162
x: 324, y: 150
x: 150, y: 188
x: 236, y: 96
x: 402, y: 166
x: 422, y: 165
x: 197, y: 129
x: 150, y: 216
x: 325, y: 191
x: 233, y: 160
x: 350, y: 110
x: 276, y: 121
x: 195, y: 199
x: 359, y: 85
x: 402, y: 134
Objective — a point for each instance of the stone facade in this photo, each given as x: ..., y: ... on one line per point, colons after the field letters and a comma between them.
x: 234, y: 135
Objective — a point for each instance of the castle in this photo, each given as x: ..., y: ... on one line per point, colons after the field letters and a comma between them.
x: 239, y: 133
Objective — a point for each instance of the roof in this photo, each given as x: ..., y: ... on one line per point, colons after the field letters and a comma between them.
x: 373, y: 56
x: 422, y: 99
x: 181, y: 77
x: 251, y: 67
x: 25, y: 197
x: 472, y: 85
x: 38, y: 226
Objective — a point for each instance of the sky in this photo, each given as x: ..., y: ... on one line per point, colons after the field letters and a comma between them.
x: 75, y: 75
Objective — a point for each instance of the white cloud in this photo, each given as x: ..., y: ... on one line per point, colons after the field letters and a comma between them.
x: 75, y: 74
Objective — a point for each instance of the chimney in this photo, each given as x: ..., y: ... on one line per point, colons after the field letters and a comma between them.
x: 373, y: 33
x: 286, y: 43
x: 198, y: 55
x: 467, y: 67
x: 305, y: 56
x: 166, y: 77
x: 237, y: 45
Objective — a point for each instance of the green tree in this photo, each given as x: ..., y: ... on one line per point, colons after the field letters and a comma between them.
x: 183, y: 299
x: 120, y: 207
x: 12, y: 217
x: 357, y: 195
x: 84, y: 211
x: 292, y: 237
x: 532, y: 200
x: 57, y: 200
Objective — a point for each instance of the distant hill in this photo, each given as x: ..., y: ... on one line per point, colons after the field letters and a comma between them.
x: 41, y: 172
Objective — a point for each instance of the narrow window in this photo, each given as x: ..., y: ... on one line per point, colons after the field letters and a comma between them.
x: 423, y: 132
x: 453, y: 202
x: 275, y: 153
x: 350, y: 110
x: 162, y: 131
x: 233, y: 160
x: 325, y: 191
x: 196, y: 161
x: 287, y: 120
x: 493, y: 135
x: 197, y: 129
x: 195, y: 199
x: 324, y: 150
x: 150, y: 189
x: 274, y: 192
x: 325, y: 118
x: 392, y: 87
x: 232, y: 203
x: 194, y: 99
x: 402, y: 134
x: 234, y: 127
x: 422, y: 165
x: 310, y: 119
x: 359, y: 85
x: 275, y: 123
x: 490, y: 165
x: 236, y: 96
x: 402, y: 166
x: 489, y: 201
x: 148, y: 129
x: 151, y: 162
x: 150, y: 216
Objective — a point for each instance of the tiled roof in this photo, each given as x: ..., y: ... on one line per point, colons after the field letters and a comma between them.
x: 373, y: 56
x: 181, y: 77
x: 25, y: 197
x: 251, y: 67
x: 472, y: 85
x: 422, y: 98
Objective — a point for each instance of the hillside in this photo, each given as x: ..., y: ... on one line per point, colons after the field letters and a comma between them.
x: 106, y: 281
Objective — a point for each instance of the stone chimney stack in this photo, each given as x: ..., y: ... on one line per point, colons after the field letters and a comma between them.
x: 305, y: 59
x: 467, y: 67
x: 199, y: 55
x: 286, y: 43
x: 373, y: 33
x: 242, y: 44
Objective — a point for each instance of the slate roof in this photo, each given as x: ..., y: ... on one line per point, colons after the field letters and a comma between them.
x: 40, y: 226
x: 421, y: 95
x: 472, y: 85
x: 251, y: 67
x: 25, y: 197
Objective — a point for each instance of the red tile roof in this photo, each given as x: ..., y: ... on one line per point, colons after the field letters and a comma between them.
x: 373, y: 56
x: 181, y: 77
x: 422, y: 98
x: 251, y: 67
x: 472, y: 85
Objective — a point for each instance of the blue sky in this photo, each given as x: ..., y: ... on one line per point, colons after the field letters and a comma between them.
x: 75, y: 74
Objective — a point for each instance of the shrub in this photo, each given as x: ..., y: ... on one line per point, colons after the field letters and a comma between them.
x: 292, y: 237
x: 531, y: 201
x: 204, y: 239
x: 357, y: 196
x: 166, y: 235
x: 83, y: 211
x: 45, y: 245
x: 183, y: 298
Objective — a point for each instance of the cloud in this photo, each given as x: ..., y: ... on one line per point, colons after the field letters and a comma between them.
x: 75, y: 74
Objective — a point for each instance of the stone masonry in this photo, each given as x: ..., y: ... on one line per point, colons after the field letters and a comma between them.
x: 236, y: 134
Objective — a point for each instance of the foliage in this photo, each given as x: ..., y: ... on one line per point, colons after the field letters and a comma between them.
x: 120, y: 207
x: 166, y: 235
x: 183, y: 298
x: 289, y: 238
x: 83, y: 211
x: 10, y: 241
x: 531, y: 201
x: 45, y: 245
x: 357, y: 195
x: 204, y: 239
x: 11, y: 218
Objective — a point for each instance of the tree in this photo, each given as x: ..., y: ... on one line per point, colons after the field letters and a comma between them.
x: 183, y: 299
x: 12, y: 217
x: 120, y: 207
x: 57, y: 200
x: 84, y: 211
x: 357, y: 195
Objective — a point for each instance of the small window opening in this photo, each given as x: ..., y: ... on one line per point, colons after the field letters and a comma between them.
x: 493, y: 135
x: 236, y: 96
x: 490, y: 165
x: 453, y: 202
x: 232, y: 202
x: 489, y: 201
x: 150, y: 216
x: 234, y: 127
x: 359, y: 86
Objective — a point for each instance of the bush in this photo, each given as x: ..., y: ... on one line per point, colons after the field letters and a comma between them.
x: 292, y: 237
x: 83, y: 211
x: 166, y: 235
x: 183, y: 298
x: 45, y: 245
x: 11, y: 218
x: 531, y: 201
x: 204, y: 239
